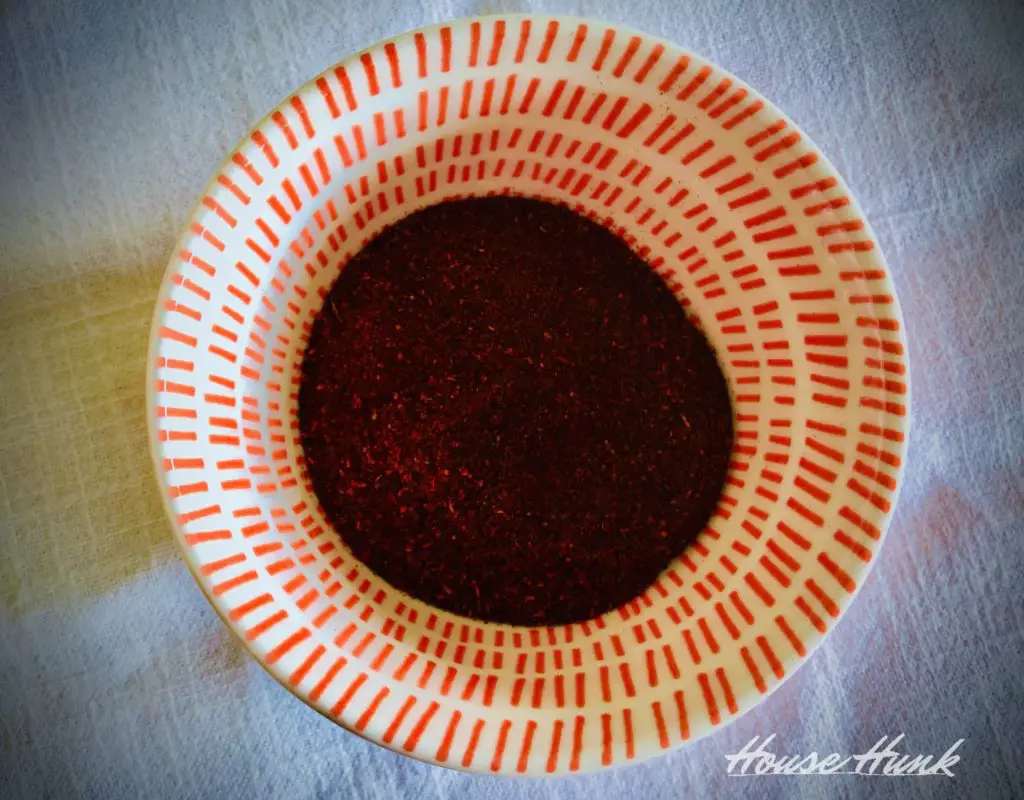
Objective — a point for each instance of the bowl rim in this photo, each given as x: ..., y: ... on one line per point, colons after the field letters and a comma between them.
x: 745, y: 700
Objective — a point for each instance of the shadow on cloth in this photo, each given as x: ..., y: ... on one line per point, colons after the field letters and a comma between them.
x: 81, y: 510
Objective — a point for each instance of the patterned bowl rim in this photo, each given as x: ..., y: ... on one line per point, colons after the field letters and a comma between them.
x: 750, y: 697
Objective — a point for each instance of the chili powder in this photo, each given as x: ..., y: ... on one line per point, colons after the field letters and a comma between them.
x: 507, y: 414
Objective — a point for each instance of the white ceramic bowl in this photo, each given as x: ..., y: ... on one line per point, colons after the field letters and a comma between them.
x: 748, y: 224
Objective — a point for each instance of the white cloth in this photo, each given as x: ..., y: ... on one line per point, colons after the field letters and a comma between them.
x: 116, y: 678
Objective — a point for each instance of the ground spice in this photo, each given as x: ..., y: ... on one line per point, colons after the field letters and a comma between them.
x: 506, y: 413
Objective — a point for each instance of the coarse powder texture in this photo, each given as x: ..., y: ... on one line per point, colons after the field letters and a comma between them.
x: 507, y: 414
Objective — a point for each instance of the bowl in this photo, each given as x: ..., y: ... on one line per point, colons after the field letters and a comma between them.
x: 748, y: 224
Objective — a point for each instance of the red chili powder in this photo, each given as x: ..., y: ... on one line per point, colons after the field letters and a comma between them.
x: 507, y: 414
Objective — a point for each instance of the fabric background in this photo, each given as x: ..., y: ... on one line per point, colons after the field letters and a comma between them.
x: 116, y: 678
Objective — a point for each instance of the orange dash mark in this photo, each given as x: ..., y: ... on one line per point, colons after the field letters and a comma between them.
x: 635, y: 121
x: 208, y: 237
x: 442, y: 106
x: 627, y: 56
x: 248, y: 168
x: 300, y: 109
x: 734, y: 99
x: 404, y: 667
x: 648, y: 65
x: 220, y: 211
x: 321, y: 163
x: 713, y: 96
x: 553, y: 98
x: 421, y: 54
x: 755, y: 673
x: 556, y: 742
x: 827, y: 602
x: 446, y: 49
x: 207, y: 536
x: 743, y: 115
x: 777, y: 146
x: 577, y: 743
x: 293, y: 196
x: 524, y: 38
x: 371, y: 74
x: 296, y: 638
x: 268, y: 232
x: 421, y: 725
x: 709, y: 698
x: 694, y: 84
x: 801, y: 163
x: 769, y: 654
x: 346, y: 85
x: 248, y: 273
x: 627, y: 679
x: 816, y: 186
x: 399, y: 718
x: 422, y: 116
x: 531, y: 91
x: 627, y: 727
x: 675, y: 139
x: 684, y: 724
x: 268, y: 151
x: 349, y: 693
x: 613, y: 115
x: 449, y: 735
x: 357, y: 135
x: 279, y: 209
x: 391, y: 52
x: 328, y: 96
x: 759, y: 589
x: 286, y: 129
x: 606, y: 45
x: 346, y: 156
x: 177, y: 336
x: 499, y: 749
x: 251, y: 605
x: 307, y: 178
x: 659, y: 720
x: 673, y: 74
x: 328, y: 676
x: 549, y: 40
x: 485, y: 104
x: 474, y: 740
x: 798, y: 646
x: 303, y: 670
x: 379, y: 130
x: 371, y: 709
x: 262, y: 627
x: 606, y: 739
x: 577, y: 43
x: 474, y: 44
x: 499, y: 37
x: 381, y: 657
x: 524, y: 752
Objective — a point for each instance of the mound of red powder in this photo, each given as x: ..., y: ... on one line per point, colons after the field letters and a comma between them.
x: 506, y: 413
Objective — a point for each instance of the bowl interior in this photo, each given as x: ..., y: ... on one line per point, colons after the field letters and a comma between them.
x: 748, y: 225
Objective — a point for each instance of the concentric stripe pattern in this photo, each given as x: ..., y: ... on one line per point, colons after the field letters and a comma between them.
x: 728, y: 203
